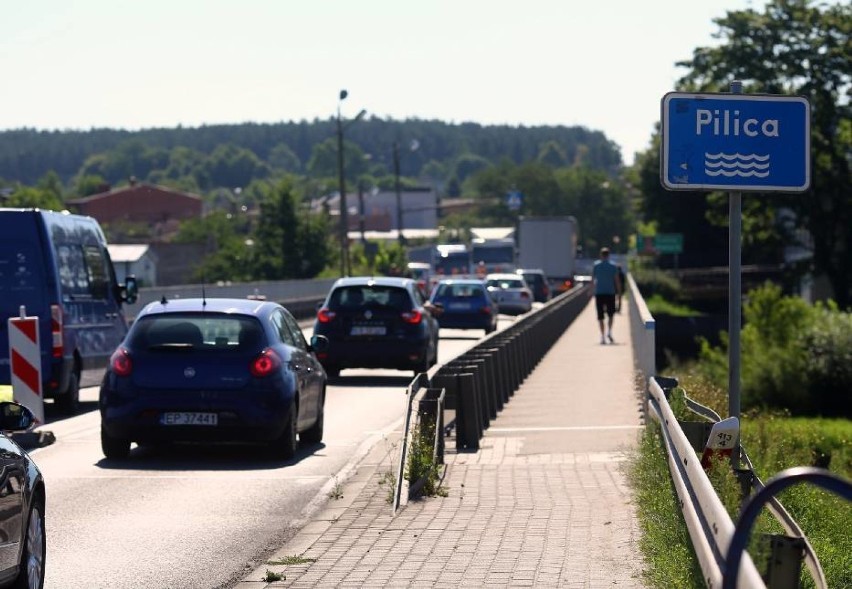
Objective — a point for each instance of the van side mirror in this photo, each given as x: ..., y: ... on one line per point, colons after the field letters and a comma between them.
x: 129, y: 290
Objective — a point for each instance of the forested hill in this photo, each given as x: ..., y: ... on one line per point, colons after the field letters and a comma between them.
x: 27, y: 154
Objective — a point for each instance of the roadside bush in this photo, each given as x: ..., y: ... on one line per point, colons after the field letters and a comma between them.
x: 827, y: 342
x: 794, y: 356
x: 653, y: 281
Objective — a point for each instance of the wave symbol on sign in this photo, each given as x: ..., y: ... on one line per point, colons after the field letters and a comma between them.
x: 730, y: 165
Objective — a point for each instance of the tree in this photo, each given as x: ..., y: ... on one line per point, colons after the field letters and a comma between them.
x: 227, y: 245
x: 796, y: 47
x: 284, y: 159
x: 29, y: 197
x: 231, y: 166
x: 287, y: 246
x: 323, y: 162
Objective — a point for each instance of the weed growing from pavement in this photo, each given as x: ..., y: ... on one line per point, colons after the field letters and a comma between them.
x: 388, y: 478
x: 336, y: 491
x: 421, y: 459
x: 272, y: 576
x: 290, y: 561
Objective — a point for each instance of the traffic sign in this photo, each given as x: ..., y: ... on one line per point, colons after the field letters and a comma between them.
x: 661, y: 243
x: 737, y: 142
x: 514, y: 200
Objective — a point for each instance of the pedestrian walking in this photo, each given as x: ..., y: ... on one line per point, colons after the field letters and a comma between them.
x: 607, y: 287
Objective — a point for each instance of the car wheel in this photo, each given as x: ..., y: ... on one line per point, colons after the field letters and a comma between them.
x: 34, y: 554
x: 114, y: 448
x: 68, y: 403
x: 313, y: 435
x: 285, y: 446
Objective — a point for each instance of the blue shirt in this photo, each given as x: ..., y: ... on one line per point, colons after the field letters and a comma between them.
x: 604, y: 273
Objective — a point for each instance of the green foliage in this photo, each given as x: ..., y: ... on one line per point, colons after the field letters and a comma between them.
x: 657, y: 305
x: 793, y: 356
x: 287, y: 246
x: 653, y: 282
x: 323, y: 162
x: 421, y: 463
x: 602, y: 205
x: 26, y: 197
x: 796, y: 47
x: 89, y: 184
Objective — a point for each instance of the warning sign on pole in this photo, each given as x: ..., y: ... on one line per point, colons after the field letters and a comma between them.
x: 722, y: 440
x: 25, y: 360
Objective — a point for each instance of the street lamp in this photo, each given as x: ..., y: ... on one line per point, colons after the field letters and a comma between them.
x: 344, y: 219
x: 413, y: 147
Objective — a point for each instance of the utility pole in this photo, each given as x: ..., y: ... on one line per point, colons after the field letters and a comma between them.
x: 345, y: 266
x: 400, y: 236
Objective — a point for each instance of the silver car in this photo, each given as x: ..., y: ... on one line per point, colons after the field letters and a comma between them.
x: 511, y: 292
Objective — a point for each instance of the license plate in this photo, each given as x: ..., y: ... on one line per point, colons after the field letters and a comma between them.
x: 368, y: 330
x: 459, y: 306
x: 189, y: 418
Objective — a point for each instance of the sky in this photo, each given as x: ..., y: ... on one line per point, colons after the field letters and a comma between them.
x: 601, y: 64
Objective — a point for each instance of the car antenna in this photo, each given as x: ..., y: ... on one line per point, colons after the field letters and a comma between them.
x: 164, y: 300
x: 203, y: 292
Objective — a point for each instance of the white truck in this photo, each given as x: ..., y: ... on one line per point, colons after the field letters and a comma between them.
x: 549, y: 244
x: 492, y: 249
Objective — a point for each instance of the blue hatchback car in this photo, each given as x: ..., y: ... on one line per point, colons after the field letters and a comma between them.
x: 465, y: 304
x: 214, y: 370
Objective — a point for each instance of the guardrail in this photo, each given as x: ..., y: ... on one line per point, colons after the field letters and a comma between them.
x: 478, y: 384
x: 710, y: 527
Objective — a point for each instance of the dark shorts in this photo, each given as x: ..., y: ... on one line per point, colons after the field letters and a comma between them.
x: 605, y: 303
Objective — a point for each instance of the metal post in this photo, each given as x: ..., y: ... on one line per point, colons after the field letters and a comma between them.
x: 344, y: 222
x: 734, y: 302
x: 361, y: 212
x: 398, y: 193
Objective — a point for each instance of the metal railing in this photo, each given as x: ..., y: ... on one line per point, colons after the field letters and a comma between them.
x: 710, y: 527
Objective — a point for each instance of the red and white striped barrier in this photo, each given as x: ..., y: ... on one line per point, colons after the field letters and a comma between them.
x: 25, y: 360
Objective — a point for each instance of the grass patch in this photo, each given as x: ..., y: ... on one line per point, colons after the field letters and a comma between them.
x: 657, y: 305
x: 665, y: 542
x: 272, y: 576
x: 290, y: 561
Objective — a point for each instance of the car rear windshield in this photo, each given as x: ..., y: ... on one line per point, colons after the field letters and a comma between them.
x: 534, y: 278
x: 506, y: 283
x: 208, y: 330
x: 459, y: 291
x: 356, y: 297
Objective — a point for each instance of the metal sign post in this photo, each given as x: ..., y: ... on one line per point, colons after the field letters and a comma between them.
x: 735, y: 142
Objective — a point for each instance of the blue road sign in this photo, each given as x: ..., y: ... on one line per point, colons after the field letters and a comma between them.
x: 736, y: 142
x: 514, y: 199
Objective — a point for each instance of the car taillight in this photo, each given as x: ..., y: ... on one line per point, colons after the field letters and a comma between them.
x: 525, y: 295
x: 413, y: 317
x: 120, y: 362
x: 265, y: 364
x: 56, y: 330
x: 485, y: 310
x: 326, y: 316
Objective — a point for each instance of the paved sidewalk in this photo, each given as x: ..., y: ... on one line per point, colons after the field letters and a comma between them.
x: 543, y: 503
